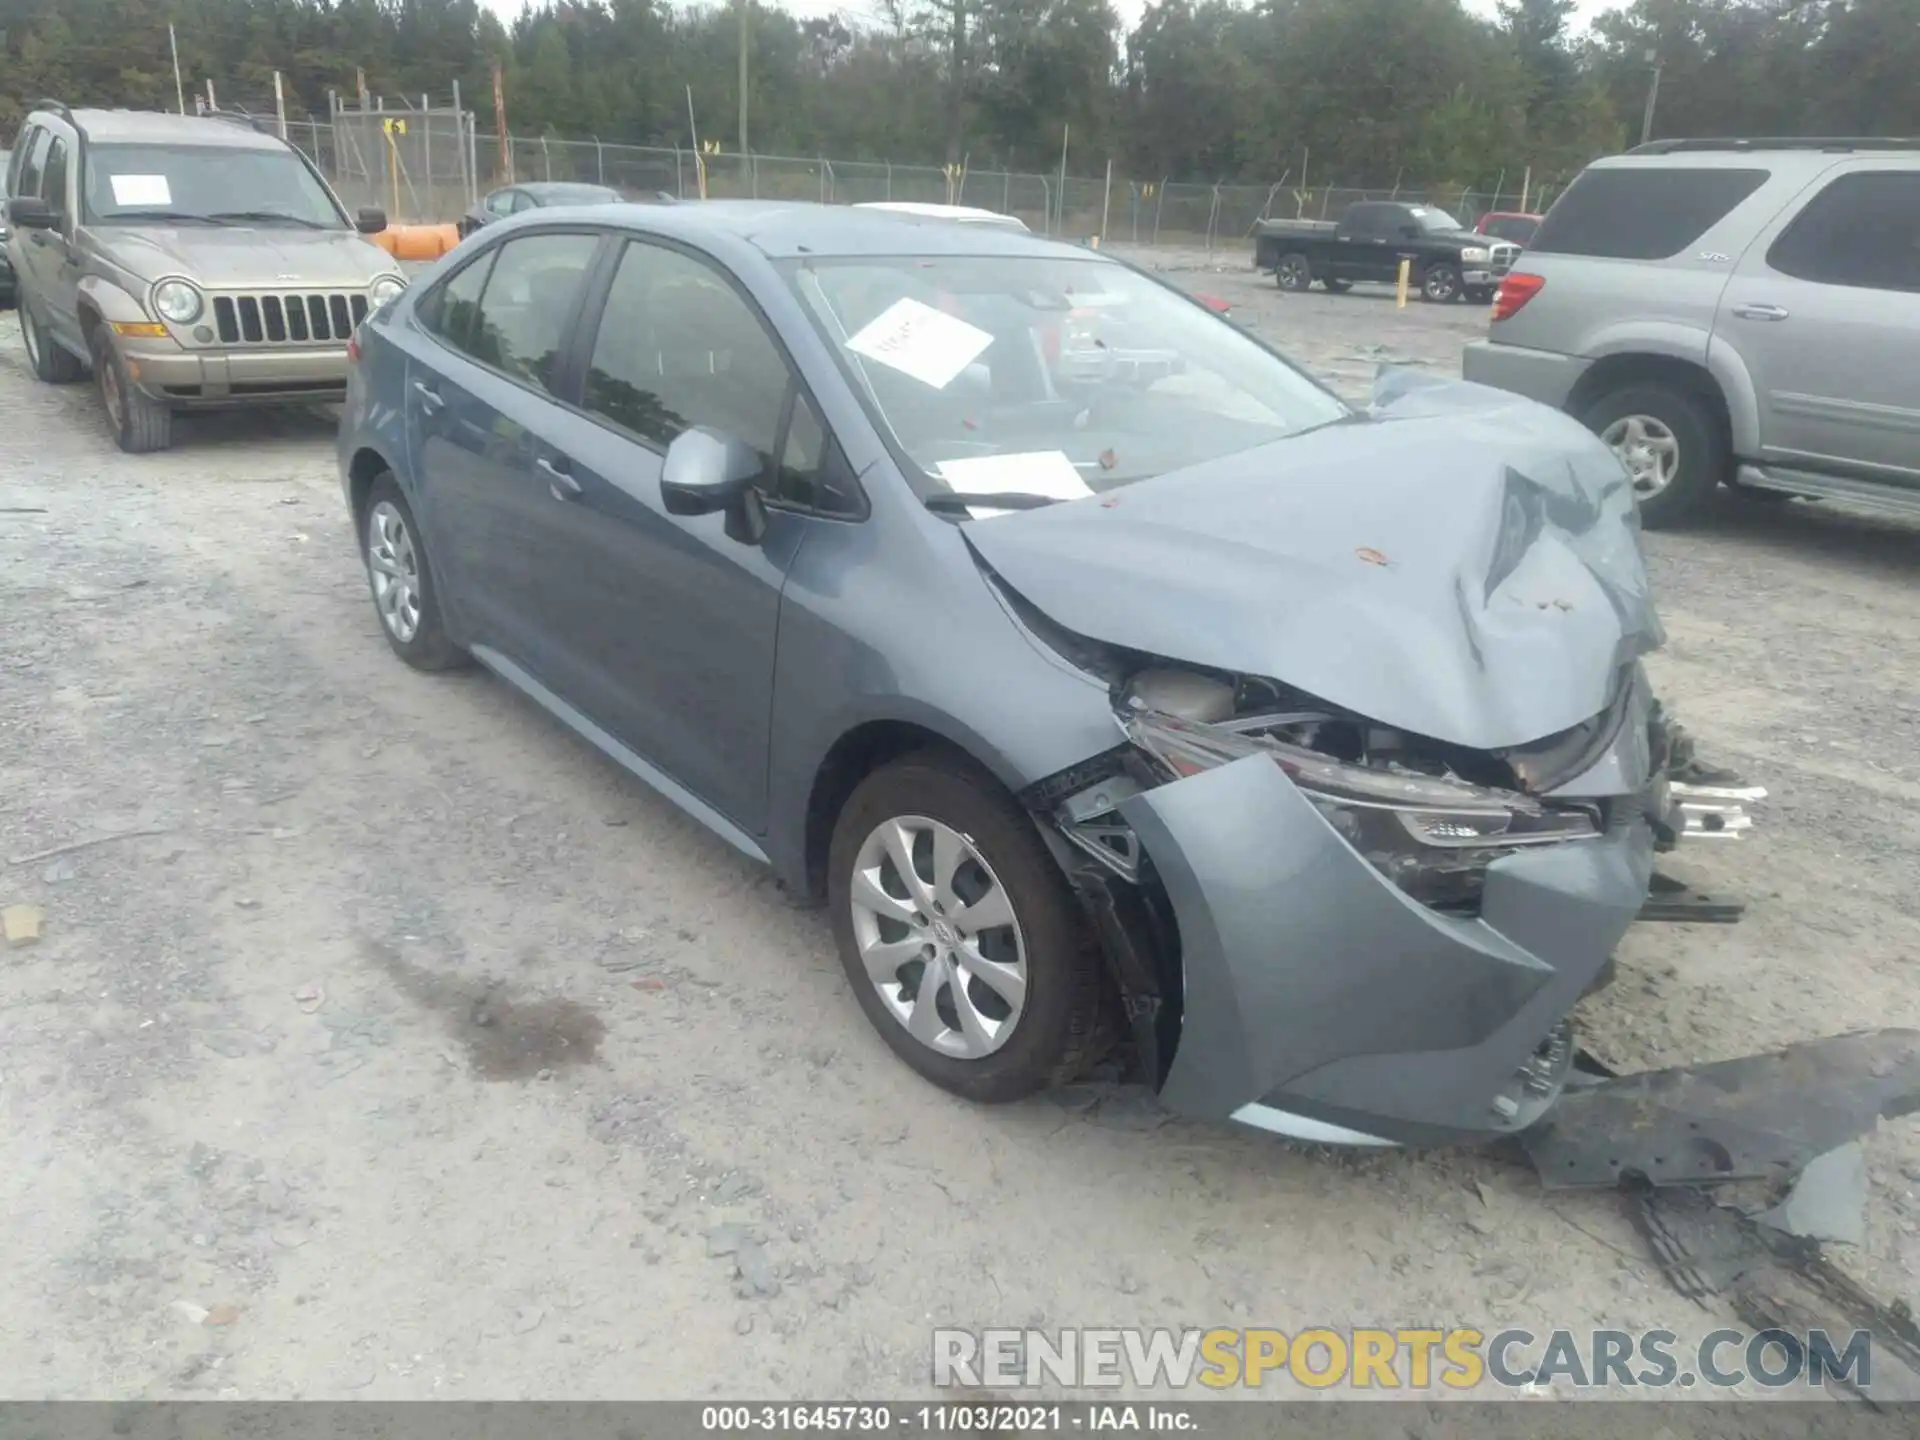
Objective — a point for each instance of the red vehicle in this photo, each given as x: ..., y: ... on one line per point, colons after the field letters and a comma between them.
x: 1515, y: 225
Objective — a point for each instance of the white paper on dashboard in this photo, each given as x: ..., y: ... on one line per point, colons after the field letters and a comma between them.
x: 1037, y: 472
x: 142, y: 190
x: 918, y: 340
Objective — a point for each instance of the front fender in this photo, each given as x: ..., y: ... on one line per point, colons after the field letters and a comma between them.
x: 111, y: 302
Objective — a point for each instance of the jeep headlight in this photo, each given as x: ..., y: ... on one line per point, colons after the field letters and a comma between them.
x: 177, y: 302
x: 387, y: 287
x: 1476, y: 255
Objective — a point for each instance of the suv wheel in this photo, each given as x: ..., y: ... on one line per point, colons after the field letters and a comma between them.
x: 958, y: 932
x: 141, y: 425
x: 1671, y: 444
x: 49, y: 362
x: 1441, y: 284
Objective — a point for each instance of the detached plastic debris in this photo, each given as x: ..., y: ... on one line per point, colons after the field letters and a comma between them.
x: 1762, y: 1117
x: 1828, y: 1199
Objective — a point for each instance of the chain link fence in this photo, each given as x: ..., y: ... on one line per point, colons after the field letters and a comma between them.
x: 435, y: 163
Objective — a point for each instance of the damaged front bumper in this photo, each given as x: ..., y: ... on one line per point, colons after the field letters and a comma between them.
x: 1320, y: 1001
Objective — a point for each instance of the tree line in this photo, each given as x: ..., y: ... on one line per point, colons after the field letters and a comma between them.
x: 1355, y: 92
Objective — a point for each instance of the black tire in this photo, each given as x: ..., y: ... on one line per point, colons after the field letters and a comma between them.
x: 1701, y: 438
x: 1294, y: 273
x: 48, y: 361
x: 427, y: 647
x: 140, y: 424
x: 1337, y: 287
x: 1058, y: 1030
x: 1440, y: 283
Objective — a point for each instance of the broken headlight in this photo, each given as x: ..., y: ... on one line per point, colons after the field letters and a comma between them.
x: 1432, y: 835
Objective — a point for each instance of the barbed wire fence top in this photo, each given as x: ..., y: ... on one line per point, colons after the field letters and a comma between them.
x: 443, y: 163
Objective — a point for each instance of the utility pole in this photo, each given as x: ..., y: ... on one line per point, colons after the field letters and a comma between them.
x: 743, y: 75
x: 1653, y: 97
x: 179, y: 91
x: 500, y: 123
x: 280, y: 104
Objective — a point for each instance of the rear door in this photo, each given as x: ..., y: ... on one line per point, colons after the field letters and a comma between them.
x: 1824, y: 312
x: 56, y: 272
x: 481, y: 388
x: 1366, y: 250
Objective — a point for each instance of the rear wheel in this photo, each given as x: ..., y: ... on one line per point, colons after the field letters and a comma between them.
x: 1671, y: 443
x: 1440, y: 284
x: 402, y: 582
x: 48, y: 361
x: 958, y: 932
x: 1293, y: 273
x: 141, y: 425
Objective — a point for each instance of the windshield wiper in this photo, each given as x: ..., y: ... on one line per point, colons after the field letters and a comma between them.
x: 256, y: 216
x: 1001, y: 500
x: 166, y: 215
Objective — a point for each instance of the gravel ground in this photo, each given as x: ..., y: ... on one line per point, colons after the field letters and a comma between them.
x: 418, y: 1052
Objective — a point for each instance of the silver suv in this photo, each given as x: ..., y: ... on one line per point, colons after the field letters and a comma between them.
x: 1745, y: 312
x: 189, y: 262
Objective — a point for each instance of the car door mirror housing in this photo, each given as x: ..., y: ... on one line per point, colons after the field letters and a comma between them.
x: 30, y: 212
x: 707, y: 472
x: 370, y: 221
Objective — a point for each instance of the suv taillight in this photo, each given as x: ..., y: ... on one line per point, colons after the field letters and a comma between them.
x: 1515, y: 290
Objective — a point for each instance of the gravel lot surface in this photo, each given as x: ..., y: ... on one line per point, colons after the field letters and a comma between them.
x: 395, y: 1045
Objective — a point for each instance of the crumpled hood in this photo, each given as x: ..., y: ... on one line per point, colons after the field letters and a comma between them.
x: 248, y: 258
x: 1460, y: 563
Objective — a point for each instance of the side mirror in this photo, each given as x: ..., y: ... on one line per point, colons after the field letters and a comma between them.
x: 370, y: 221
x: 30, y: 212
x: 705, y: 473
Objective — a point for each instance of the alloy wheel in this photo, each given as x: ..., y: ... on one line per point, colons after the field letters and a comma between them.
x: 1439, y: 284
x: 1295, y: 273
x: 395, y: 567
x: 1649, y: 450
x: 938, y: 937
x: 110, y: 394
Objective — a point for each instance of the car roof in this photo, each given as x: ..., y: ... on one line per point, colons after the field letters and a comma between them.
x: 562, y: 187
x: 154, y: 127
x: 787, y: 231
x: 1808, y: 161
x: 964, y: 213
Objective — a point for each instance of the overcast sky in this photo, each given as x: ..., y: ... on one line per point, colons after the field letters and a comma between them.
x: 1129, y: 9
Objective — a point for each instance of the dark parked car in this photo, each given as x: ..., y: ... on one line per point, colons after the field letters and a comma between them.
x: 1106, y: 675
x: 535, y: 195
x: 1370, y: 240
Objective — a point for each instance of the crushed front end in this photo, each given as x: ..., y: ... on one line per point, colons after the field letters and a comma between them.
x: 1337, y: 931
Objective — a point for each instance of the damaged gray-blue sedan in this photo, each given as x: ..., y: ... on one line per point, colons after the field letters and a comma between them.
x: 1115, y: 685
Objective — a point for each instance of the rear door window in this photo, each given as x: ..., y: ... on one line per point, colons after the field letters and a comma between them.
x: 525, y: 310
x: 1862, y: 230
x: 1642, y: 214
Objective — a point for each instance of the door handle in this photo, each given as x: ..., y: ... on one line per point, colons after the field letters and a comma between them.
x: 560, y: 484
x: 429, y: 396
x: 1760, y: 312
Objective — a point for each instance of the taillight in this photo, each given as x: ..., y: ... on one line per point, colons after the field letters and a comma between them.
x: 1515, y: 290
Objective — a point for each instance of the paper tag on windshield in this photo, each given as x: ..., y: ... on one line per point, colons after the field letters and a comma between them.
x: 1039, y: 472
x: 920, y: 341
x: 142, y: 190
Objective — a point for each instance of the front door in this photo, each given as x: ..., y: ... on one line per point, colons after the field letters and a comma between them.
x: 675, y: 619
x: 1824, y: 311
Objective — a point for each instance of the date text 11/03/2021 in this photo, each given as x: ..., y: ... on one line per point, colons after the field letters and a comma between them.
x: 954, y: 1417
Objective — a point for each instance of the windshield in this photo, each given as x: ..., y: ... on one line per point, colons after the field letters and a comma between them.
x: 1045, y: 376
x: 129, y: 184
x: 1432, y: 219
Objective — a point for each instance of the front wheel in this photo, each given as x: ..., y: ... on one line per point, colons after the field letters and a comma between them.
x: 141, y: 425
x: 958, y: 932
x: 1294, y: 273
x: 1441, y: 284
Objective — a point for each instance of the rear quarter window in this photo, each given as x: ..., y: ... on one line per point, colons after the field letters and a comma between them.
x: 1642, y: 214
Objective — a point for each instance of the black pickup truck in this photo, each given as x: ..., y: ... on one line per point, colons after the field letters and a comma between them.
x: 1370, y: 240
